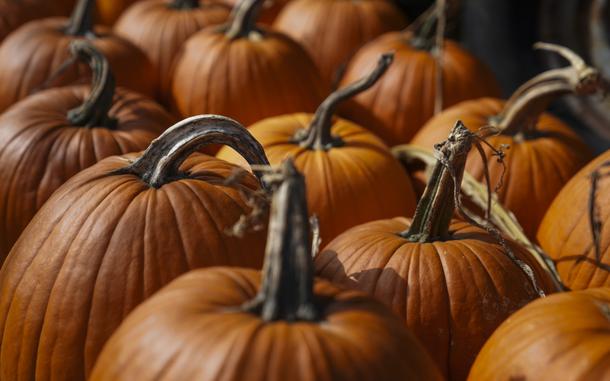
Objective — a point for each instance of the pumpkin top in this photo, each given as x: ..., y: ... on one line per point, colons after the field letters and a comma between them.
x: 161, y: 161
x: 318, y: 135
x: 528, y: 102
x: 243, y: 19
x: 428, y: 30
x: 94, y: 111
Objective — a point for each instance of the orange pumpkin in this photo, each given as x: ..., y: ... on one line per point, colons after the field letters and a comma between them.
x: 108, y: 11
x: 237, y: 324
x: 31, y: 56
x: 333, y: 30
x: 452, y: 282
x: 112, y: 236
x: 351, y: 175
x: 242, y: 61
x: 544, y: 153
x: 562, y: 337
x: 47, y: 138
x: 161, y: 27
x: 405, y: 99
x: 565, y: 232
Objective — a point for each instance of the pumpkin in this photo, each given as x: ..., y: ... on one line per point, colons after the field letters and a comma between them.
x: 269, y: 10
x: 16, y: 13
x: 452, y: 282
x: 47, y: 138
x: 238, y: 324
x: 242, y: 61
x: 351, y: 175
x: 333, y: 30
x: 31, y: 56
x: 406, y: 98
x: 114, y: 234
x: 108, y: 11
x: 161, y: 27
x: 565, y: 232
x: 544, y: 153
x: 563, y: 337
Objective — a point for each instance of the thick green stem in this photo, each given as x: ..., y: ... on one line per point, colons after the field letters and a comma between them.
x: 435, y: 209
x: 243, y: 18
x: 81, y: 21
x: 184, y: 4
x: 525, y: 106
x: 94, y: 111
x: 286, y: 292
x: 160, y: 163
x: 318, y: 136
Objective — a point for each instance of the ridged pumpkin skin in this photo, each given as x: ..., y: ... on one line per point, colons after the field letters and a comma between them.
x: 452, y: 294
x: 40, y: 149
x: 160, y: 31
x: 101, y: 245
x: 200, y: 334
x: 333, y: 30
x: 536, y: 168
x: 562, y: 337
x: 247, y: 79
x: 403, y: 100
x: 565, y: 232
x: 347, y: 185
x: 30, y: 55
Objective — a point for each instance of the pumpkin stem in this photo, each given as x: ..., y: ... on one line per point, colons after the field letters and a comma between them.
x: 94, y: 111
x: 81, y: 20
x: 160, y: 163
x: 424, y: 31
x: 243, y: 18
x: 436, y: 207
x: 529, y: 101
x: 318, y: 135
x: 184, y: 4
x: 286, y: 291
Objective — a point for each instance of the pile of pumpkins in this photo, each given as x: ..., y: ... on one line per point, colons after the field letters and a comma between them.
x: 146, y: 234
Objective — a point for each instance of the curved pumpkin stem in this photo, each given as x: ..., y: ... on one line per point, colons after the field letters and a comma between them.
x: 318, y: 135
x: 499, y: 216
x: 94, y: 111
x: 286, y: 291
x: 81, y: 21
x: 243, y: 18
x: 184, y: 4
x: 529, y: 101
x: 160, y: 163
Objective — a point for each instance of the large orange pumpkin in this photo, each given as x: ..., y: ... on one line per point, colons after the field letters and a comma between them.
x: 565, y: 232
x: 452, y: 282
x: 31, y: 56
x: 245, y: 71
x: 161, y: 27
x: 47, y: 138
x: 351, y: 175
x: 563, y: 337
x: 333, y: 30
x: 403, y: 101
x: 237, y: 324
x: 113, y: 235
x: 544, y: 153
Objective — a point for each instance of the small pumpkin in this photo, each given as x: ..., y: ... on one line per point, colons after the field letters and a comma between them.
x: 113, y: 235
x: 31, y: 56
x: 238, y: 324
x: 160, y: 28
x: 242, y: 61
x: 565, y: 234
x: 13, y: 14
x: 563, y: 337
x: 333, y: 30
x: 351, y: 175
x: 544, y: 153
x: 47, y: 138
x: 452, y: 282
x: 406, y: 98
